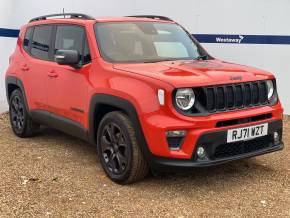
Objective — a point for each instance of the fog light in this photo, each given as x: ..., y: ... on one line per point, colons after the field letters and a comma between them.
x: 176, y: 133
x: 200, y: 152
x: 276, y: 137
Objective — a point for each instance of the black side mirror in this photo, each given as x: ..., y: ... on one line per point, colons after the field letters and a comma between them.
x: 68, y: 57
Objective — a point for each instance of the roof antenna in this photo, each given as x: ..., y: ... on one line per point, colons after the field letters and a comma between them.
x: 63, y: 12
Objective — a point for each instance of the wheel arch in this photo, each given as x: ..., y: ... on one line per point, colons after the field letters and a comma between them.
x: 97, y: 103
x: 12, y: 83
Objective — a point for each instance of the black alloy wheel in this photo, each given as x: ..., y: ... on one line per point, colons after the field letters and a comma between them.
x: 17, y: 113
x: 114, y: 148
x: 119, y: 152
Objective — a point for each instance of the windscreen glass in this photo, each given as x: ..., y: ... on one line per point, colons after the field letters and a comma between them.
x: 144, y: 42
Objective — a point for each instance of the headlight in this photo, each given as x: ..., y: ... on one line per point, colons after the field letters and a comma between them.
x: 270, y: 88
x: 185, y: 98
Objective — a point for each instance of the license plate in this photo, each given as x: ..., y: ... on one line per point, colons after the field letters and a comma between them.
x: 247, y: 133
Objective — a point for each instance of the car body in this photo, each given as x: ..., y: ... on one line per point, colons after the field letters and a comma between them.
x: 75, y: 98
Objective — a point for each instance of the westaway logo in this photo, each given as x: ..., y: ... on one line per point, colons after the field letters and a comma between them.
x: 238, y: 39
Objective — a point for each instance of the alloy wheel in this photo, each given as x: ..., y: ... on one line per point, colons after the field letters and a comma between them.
x: 17, y: 113
x: 114, y: 148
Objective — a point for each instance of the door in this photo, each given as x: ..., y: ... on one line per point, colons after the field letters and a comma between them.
x: 35, y: 65
x: 68, y: 86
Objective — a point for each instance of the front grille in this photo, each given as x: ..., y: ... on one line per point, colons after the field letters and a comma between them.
x: 234, y: 96
x: 239, y: 148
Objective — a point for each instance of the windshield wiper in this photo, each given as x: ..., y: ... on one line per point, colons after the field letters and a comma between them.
x: 159, y: 60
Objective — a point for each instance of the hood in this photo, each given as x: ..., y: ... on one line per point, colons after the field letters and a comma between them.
x: 196, y: 72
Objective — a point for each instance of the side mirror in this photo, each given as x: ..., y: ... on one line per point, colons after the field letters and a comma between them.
x: 68, y: 57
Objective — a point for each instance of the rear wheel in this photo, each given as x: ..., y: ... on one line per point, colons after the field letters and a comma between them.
x: 21, y: 123
x: 120, y: 155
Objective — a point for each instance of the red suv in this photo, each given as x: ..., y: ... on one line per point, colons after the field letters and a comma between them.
x: 142, y: 90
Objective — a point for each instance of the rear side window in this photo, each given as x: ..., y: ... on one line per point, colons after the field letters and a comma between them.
x: 27, y: 38
x: 40, y: 44
x: 72, y: 37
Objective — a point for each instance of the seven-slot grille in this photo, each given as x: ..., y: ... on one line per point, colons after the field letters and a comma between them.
x: 235, y: 96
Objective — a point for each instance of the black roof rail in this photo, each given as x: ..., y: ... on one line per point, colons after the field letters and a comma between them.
x: 157, y: 17
x: 65, y: 15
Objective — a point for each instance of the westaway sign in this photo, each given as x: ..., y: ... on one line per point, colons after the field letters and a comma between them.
x: 229, y: 40
x: 243, y: 39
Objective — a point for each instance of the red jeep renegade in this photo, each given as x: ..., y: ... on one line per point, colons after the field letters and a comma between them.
x: 143, y: 90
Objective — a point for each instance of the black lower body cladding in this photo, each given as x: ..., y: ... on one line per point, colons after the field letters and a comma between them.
x: 219, y: 151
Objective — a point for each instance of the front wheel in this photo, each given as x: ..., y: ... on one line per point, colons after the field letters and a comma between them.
x: 120, y: 155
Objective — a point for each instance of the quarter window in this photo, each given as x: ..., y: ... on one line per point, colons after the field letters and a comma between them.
x: 40, y: 42
x: 27, y: 38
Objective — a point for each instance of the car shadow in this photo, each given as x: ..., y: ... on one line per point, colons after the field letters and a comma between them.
x: 222, y: 176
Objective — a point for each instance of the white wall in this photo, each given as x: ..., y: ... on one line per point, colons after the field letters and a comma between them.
x: 261, y: 17
x: 6, y: 48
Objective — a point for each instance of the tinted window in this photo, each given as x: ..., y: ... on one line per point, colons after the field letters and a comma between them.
x: 71, y: 37
x: 40, y: 42
x: 27, y: 38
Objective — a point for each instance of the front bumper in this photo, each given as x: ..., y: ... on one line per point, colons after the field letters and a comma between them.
x: 219, y: 151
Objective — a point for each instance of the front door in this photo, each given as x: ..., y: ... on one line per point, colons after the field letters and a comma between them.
x: 68, y: 86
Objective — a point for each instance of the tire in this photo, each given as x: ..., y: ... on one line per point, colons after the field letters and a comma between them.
x: 119, y: 152
x: 20, y: 121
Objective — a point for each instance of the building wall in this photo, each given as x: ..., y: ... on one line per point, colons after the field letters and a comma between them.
x: 240, y: 17
x: 7, y: 45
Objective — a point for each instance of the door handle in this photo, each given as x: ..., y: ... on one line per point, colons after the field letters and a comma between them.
x: 53, y: 74
x: 25, y: 67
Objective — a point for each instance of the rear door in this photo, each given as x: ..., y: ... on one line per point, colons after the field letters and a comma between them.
x: 68, y: 86
x: 35, y: 65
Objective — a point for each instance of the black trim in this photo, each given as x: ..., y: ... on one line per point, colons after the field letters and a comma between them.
x: 154, y: 17
x: 176, y: 165
x: 243, y: 120
x: 60, y: 123
x: 64, y: 16
x: 12, y: 80
x: 100, y: 99
x: 210, y: 141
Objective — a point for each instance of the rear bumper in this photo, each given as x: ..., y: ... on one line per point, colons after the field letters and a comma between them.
x: 213, y: 140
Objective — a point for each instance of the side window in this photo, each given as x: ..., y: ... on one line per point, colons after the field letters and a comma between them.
x: 40, y: 42
x: 71, y: 37
x: 27, y: 38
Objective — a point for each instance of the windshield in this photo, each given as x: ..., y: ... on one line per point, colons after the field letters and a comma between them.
x: 125, y: 42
